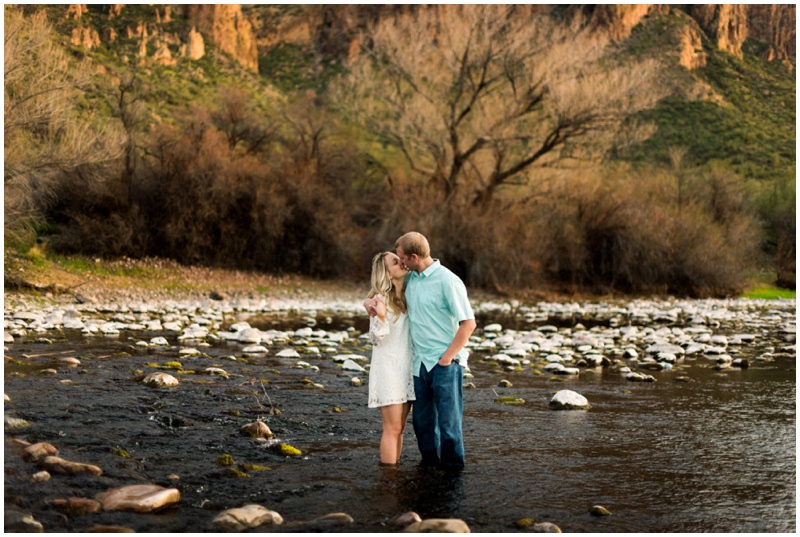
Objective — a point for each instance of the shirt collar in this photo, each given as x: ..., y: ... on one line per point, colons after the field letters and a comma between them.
x: 430, y: 270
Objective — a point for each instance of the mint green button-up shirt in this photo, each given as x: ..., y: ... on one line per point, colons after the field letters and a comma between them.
x: 437, y: 301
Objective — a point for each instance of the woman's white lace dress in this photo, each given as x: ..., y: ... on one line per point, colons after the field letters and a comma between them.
x: 390, y: 378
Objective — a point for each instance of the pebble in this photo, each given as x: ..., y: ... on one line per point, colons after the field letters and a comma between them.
x: 40, y: 477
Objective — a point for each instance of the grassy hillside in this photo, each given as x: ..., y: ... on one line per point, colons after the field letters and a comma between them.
x: 745, y: 116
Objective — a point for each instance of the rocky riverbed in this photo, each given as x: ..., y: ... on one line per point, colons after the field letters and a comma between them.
x: 157, y: 394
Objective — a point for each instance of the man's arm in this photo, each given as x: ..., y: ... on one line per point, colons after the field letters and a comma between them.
x: 465, y: 329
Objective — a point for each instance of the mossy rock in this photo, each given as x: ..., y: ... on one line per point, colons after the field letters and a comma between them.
x: 254, y: 468
x: 523, y: 523
x: 510, y: 400
x: 599, y: 510
x: 225, y: 460
x: 121, y: 452
x: 173, y: 365
x: 286, y: 450
x: 235, y: 472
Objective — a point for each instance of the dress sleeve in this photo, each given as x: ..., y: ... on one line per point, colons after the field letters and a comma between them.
x: 378, y: 330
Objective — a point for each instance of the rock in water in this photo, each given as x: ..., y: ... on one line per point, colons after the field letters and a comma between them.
x: 599, y: 510
x: 160, y: 379
x: 569, y: 400
x: 38, y: 451
x: 406, y: 519
x: 257, y: 429
x: 19, y: 522
x: 58, y: 465
x: 546, y: 527
x: 243, y: 518
x: 438, y: 525
x: 139, y: 498
x: 105, y: 528
x: 76, y: 506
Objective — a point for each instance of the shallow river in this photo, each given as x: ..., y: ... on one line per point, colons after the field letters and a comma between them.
x: 716, y: 453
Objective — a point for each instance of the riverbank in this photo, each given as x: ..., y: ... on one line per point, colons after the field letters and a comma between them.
x: 70, y: 279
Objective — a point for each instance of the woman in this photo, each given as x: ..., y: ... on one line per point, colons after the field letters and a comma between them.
x: 391, y: 384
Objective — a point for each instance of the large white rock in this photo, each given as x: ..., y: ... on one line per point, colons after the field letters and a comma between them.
x: 341, y: 358
x: 569, y: 400
x: 244, y: 518
x: 665, y: 347
x: 255, y: 349
x: 350, y: 365
x: 438, y: 525
x: 139, y: 498
x: 249, y: 335
x: 159, y: 379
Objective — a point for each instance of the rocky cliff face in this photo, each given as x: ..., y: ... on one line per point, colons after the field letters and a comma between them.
x: 725, y: 25
x: 337, y: 29
x: 334, y: 29
x: 222, y: 24
x: 226, y: 27
x: 776, y: 25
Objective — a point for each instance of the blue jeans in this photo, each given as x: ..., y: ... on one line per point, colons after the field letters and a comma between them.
x: 437, y: 415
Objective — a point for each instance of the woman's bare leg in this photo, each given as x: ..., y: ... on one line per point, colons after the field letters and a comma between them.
x: 393, y: 417
x: 403, y: 421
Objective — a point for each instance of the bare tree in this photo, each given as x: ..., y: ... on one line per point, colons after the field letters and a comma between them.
x: 240, y: 121
x: 474, y: 97
x: 44, y: 136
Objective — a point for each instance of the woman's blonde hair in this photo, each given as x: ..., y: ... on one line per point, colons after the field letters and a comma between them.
x: 382, y: 285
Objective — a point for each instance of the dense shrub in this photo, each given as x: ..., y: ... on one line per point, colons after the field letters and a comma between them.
x: 613, y: 229
x: 198, y: 198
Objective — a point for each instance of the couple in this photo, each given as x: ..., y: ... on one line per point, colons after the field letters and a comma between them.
x: 420, y: 321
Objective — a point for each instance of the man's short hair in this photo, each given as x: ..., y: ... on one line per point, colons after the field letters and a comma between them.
x: 414, y: 243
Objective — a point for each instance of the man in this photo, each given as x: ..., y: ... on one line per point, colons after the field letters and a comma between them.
x: 441, y: 321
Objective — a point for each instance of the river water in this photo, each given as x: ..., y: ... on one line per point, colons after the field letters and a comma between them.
x: 701, y: 449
